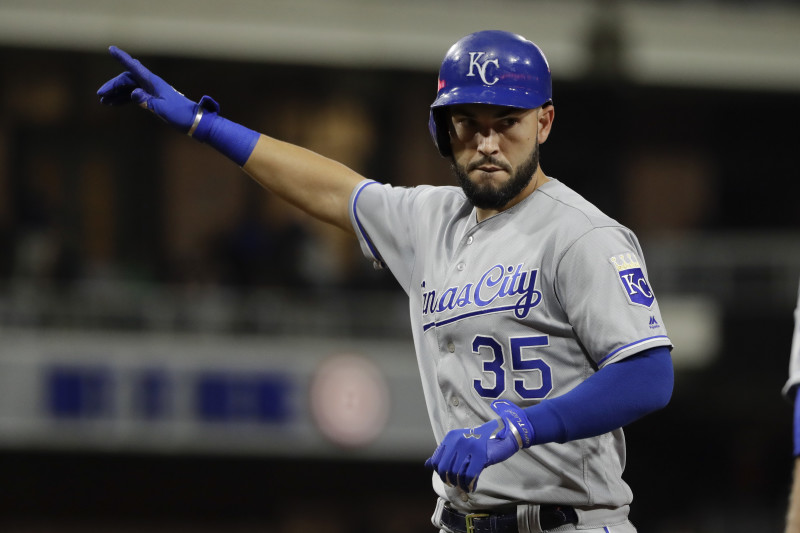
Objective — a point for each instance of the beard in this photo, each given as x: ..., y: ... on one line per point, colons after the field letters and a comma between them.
x: 488, y: 196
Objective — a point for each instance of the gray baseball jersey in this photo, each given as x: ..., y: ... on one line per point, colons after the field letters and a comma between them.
x: 523, y: 306
x: 794, y: 359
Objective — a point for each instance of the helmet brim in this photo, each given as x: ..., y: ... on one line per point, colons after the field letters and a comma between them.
x: 502, y: 96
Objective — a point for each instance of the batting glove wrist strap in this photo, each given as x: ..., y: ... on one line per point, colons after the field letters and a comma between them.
x: 207, y: 109
x: 516, y: 421
x: 231, y: 139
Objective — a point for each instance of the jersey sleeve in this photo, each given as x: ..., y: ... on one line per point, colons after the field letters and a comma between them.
x: 794, y: 356
x: 601, y: 282
x: 384, y: 222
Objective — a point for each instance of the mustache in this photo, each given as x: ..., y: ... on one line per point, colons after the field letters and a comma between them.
x: 488, y: 160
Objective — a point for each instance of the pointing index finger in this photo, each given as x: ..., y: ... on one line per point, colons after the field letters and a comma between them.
x: 139, y: 72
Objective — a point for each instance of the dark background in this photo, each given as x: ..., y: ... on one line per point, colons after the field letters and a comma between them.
x: 718, y: 458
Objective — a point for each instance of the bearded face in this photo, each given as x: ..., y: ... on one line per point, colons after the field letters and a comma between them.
x: 485, y: 194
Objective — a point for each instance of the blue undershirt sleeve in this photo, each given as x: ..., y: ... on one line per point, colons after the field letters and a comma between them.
x: 613, y: 397
x: 796, y: 426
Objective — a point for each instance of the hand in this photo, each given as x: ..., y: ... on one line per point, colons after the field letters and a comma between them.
x: 137, y: 84
x: 465, y: 453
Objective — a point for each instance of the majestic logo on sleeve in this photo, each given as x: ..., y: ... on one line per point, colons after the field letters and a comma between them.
x: 633, y: 281
x: 474, y: 65
x: 501, y: 288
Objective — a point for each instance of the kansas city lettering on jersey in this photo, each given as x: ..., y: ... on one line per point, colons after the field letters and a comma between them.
x: 495, y: 286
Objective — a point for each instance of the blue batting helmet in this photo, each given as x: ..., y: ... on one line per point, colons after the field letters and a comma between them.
x: 489, y: 67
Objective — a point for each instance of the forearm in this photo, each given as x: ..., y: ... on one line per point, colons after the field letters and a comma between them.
x: 611, y: 398
x: 317, y: 185
x: 793, y: 514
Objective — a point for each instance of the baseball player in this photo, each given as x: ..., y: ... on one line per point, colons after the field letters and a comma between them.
x: 790, y: 392
x: 537, y: 333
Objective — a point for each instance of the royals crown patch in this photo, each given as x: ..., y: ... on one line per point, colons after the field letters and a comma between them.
x: 636, y: 287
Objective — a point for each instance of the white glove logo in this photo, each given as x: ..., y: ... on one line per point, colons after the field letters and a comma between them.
x: 472, y: 434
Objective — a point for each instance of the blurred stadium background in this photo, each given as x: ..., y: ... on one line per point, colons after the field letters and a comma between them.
x: 174, y: 342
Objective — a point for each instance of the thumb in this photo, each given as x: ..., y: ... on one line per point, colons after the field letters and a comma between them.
x: 504, y: 431
x: 502, y: 446
x: 142, y: 97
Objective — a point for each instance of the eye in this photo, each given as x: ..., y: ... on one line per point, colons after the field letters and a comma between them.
x: 464, y: 121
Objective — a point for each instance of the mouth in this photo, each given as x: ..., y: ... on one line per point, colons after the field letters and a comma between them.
x: 488, y: 174
x: 488, y: 167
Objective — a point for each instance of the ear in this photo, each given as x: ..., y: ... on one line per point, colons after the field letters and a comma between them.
x: 546, y: 116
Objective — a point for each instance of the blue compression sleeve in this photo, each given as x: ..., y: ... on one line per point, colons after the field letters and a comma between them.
x: 613, y: 397
x: 231, y: 139
x: 796, y: 433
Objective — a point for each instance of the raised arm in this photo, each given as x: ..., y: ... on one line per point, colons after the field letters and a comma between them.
x: 317, y: 185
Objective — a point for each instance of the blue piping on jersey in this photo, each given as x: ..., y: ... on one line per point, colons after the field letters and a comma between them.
x: 640, y: 341
x: 363, y: 232
x: 429, y: 325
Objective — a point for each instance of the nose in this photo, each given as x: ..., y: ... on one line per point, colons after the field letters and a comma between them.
x: 487, y: 142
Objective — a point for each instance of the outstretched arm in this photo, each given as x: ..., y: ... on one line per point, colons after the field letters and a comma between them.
x: 318, y: 185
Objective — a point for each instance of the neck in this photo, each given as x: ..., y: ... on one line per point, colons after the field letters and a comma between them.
x: 539, y: 179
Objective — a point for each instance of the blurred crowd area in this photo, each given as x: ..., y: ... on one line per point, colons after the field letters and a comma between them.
x: 109, y: 219
x: 94, y: 193
x: 102, y: 208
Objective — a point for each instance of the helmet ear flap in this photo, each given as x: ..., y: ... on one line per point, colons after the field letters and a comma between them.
x: 440, y: 132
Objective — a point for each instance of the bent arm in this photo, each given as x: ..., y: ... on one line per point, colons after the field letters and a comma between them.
x: 613, y: 397
x: 316, y: 184
x: 609, y: 399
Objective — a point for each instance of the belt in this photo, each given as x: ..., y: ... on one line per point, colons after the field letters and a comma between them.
x: 550, y: 517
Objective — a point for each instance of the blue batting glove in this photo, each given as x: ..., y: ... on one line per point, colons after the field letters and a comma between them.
x: 199, y: 120
x: 465, y: 453
x: 137, y: 84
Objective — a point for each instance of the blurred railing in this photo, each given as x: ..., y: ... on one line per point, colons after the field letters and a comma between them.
x: 118, y: 365
x: 740, y: 273
x: 120, y: 305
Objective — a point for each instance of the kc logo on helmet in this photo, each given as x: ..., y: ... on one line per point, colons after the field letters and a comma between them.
x: 474, y: 65
x: 633, y: 281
